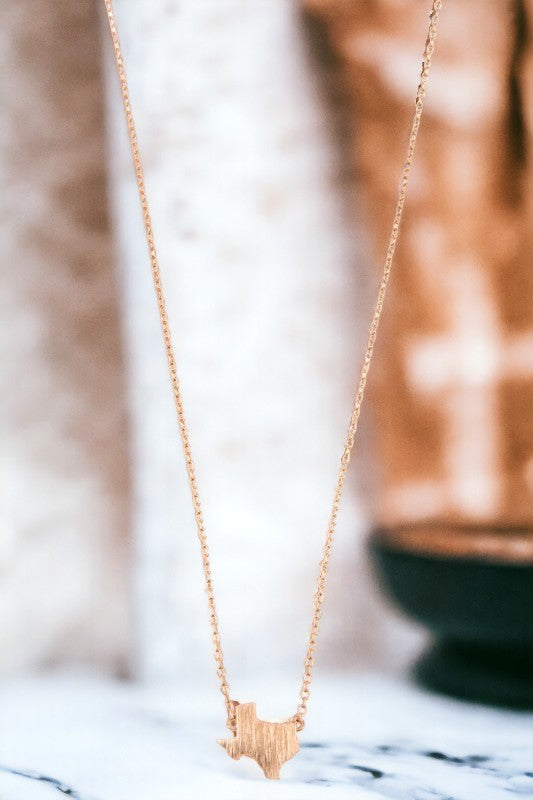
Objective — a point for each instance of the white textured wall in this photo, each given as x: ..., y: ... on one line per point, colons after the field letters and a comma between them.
x: 268, y: 300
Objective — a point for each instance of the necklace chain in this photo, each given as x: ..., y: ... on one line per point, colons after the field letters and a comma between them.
x: 301, y: 710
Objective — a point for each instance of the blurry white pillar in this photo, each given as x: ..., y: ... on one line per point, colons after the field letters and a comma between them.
x: 263, y: 275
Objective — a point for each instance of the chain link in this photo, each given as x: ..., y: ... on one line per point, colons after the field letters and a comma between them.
x: 359, y: 394
x: 360, y: 391
x: 171, y: 359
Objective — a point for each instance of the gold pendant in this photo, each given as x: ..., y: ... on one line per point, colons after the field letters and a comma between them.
x: 271, y: 744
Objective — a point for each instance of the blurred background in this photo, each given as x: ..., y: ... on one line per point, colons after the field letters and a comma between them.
x: 272, y: 135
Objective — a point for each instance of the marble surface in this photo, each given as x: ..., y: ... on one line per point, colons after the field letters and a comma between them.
x: 367, y: 737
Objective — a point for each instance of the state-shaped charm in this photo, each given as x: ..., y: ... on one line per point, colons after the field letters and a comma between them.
x: 271, y: 744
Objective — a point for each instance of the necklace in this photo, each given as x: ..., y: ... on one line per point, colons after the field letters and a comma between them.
x: 270, y: 744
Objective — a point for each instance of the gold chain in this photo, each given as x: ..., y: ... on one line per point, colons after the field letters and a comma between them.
x: 359, y: 394
x: 360, y: 391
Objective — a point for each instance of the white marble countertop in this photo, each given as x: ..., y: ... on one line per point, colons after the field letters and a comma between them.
x: 367, y: 737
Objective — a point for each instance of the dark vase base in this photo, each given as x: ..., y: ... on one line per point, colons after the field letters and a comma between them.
x: 479, y: 673
x: 474, y: 590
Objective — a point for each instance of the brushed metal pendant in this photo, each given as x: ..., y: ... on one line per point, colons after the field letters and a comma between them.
x: 270, y: 744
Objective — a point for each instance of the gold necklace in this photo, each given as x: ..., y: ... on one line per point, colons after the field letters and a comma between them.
x: 271, y: 744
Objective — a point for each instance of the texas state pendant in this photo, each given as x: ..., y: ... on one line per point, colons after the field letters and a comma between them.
x: 270, y: 744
